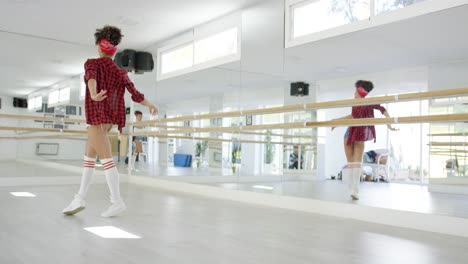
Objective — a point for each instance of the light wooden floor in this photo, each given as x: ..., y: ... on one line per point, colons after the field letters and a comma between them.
x: 406, y: 197
x: 179, y: 228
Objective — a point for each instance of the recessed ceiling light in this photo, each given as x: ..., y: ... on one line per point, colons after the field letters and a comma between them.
x: 22, y: 194
x: 263, y: 187
x: 110, y: 232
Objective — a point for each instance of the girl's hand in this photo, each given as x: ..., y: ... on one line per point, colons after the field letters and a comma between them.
x: 99, y: 96
x: 392, y: 128
x: 153, y: 109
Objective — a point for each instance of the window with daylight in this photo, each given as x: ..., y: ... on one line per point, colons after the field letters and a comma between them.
x: 177, y: 59
x: 200, y: 53
x: 35, y: 103
x: 216, y: 46
x: 315, y: 16
x: 59, y: 96
x: 64, y: 95
x: 312, y: 20
x: 384, y: 6
x: 53, y: 97
x: 83, y: 88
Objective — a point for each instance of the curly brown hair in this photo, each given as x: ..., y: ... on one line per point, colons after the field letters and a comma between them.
x: 111, y: 33
x: 367, y: 85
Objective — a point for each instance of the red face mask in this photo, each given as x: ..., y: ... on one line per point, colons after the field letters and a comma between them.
x: 362, y: 92
x: 107, y: 47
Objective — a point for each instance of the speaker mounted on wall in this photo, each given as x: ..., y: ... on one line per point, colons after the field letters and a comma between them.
x: 144, y: 62
x: 299, y: 89
x: 20, y: 102
x: 125, y: 59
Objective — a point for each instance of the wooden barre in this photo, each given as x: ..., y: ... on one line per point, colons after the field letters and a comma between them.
x: 244, y: 132
x: 322, y: 105
x: 240, y: 141
x: 331, y: 123
x: 290, y: 108
x: 449, y: 134
x: 42, y: 118
x: 44, y: 137
x: 247, y: 133
x: 449, y: 144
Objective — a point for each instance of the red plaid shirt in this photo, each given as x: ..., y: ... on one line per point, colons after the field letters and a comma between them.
x: 363, y: 133
x: 114, y: 80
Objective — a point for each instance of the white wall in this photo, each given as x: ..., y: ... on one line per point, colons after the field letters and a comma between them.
x: 448, y: 75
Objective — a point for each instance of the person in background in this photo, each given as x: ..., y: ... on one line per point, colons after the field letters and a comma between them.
x: 294, y: 159
x: 355, y: 137
x: 137, y: 145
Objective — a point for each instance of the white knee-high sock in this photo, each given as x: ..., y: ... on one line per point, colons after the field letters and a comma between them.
x: 87, y: 177
x: 112, y: 178
x: 355, y: 177
x: 346, y: 174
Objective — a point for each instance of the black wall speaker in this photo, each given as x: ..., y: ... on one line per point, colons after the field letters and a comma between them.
x: 20, y: 102
x: 299, y: 89
x: 126, y: 59
x: 143, y: 62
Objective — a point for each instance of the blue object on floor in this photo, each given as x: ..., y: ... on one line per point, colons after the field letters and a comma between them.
x: 182, y: 160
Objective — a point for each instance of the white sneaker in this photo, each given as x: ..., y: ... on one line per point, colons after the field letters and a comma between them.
x: 115, y: 209
x: 76, y: 206
x: 354, y: 196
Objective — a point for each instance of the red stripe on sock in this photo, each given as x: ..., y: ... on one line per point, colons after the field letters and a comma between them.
x: 109, y: 165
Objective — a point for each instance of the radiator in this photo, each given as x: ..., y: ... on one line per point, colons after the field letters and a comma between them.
x: 47, y: 148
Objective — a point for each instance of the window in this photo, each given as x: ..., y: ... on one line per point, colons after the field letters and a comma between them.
x: 177, y: 59
x: 59, y: 96
x: 321, y: 15
x: 64, y: 95
x: 35, y: 103
x: 198, y: 54
x: 383, y: 6
x: 311, y: 20
x: 53, y: 97
x: 217, y: 46
x: 83, y: 88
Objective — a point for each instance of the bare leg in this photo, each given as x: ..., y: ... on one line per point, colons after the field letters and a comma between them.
x: 98, y: 140
x: 349, y: 150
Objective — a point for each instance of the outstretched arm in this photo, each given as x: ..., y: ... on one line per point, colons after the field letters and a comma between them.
x: 152, y: 108
x: 386, y: 114
x: 137, y: 96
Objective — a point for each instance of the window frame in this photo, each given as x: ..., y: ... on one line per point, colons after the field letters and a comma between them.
x: 407, y: 12
x: 203, y: 65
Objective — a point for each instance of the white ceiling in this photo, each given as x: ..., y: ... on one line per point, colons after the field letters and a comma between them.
x: 45, y: 41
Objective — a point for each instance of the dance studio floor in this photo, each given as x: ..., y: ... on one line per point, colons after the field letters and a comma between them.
x: 406, y: 197
x: 180, y: 228
x: 21, y: 169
